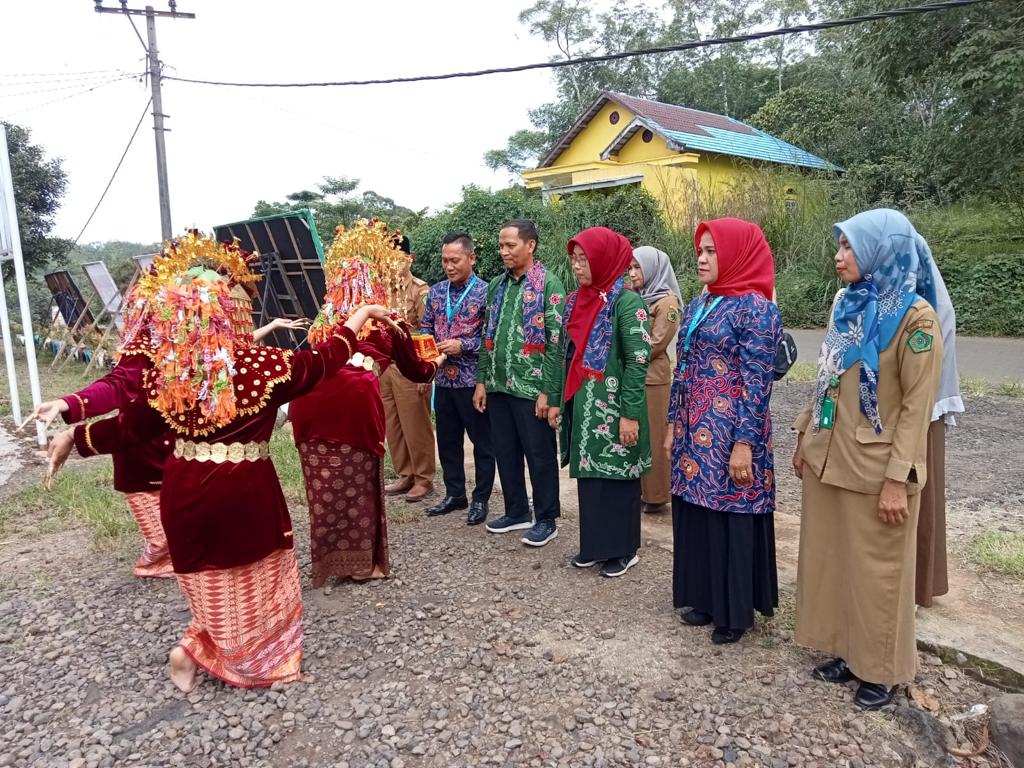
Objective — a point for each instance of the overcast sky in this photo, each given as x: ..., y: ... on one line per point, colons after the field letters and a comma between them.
x: 230, y: 147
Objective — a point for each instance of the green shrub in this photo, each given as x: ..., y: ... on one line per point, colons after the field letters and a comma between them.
x: 979, y: 248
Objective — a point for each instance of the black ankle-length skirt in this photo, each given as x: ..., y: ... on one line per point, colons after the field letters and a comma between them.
x: 609, y: 518
x: 723, y: 564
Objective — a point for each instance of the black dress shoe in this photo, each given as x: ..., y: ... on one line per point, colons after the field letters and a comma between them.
x: 696, y: 618
x: 649, y: 509
x: 834, y: 671
x: 477, y: 513
x: 446, y: 505
x: 724, y: 635
x: 874, y: 695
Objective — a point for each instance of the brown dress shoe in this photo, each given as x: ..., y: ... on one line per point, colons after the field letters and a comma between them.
x: 398, y: 487
x: 419, y: 493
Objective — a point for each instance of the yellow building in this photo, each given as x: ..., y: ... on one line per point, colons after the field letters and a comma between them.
x: 675, y: 153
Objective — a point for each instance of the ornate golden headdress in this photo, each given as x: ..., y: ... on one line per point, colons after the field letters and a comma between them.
x: 194, y: 249
x: 363, y: 266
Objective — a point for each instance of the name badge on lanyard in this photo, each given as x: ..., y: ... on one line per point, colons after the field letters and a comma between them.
x: 698, y: 317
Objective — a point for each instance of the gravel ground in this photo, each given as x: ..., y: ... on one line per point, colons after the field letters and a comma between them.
x: 478, y: 651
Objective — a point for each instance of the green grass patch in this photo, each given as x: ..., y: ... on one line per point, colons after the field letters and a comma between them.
x: 286, y: 461
x: 978, y: 387
x: 802, y: 373
x: 82, y: 493
x: 999, y: 551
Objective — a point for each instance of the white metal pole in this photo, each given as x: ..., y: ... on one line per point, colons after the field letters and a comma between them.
x: 7, y: 191
x: 5, y: 324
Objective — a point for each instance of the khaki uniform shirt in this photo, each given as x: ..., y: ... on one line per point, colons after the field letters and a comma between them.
x: 664, y: 318
x: 415, y: 302
x: 851, y: 455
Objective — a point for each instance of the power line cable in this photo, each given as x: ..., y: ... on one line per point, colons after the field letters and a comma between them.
x: 687, y: 46
x: 114, y: 174
x: 71, y: 95
x: 57, y: 74
x: 15, y: 83
x: 68, y: 87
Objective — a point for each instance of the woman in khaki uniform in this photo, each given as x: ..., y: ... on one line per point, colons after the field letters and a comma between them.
x: 862, y: 457
x: 652, y: 276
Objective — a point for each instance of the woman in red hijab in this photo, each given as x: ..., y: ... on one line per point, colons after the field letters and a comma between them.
x: 604, y: 430
x: 720, y: 435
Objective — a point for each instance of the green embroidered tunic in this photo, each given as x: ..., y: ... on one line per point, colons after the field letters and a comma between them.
x: 589, y: 435
x: 506, y: 368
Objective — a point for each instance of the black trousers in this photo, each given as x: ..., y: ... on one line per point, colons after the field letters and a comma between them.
x: 520, y: 435
x: 456, y: 416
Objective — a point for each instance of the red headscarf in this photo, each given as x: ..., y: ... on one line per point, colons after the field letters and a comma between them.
x: 609, y: 255
x: 745, y: 262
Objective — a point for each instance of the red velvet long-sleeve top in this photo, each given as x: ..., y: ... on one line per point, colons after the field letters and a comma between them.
x: 140, y: 469
x: 223, y: 515
x: 348, y: 408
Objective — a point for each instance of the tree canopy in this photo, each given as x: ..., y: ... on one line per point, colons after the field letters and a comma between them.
x: 334, y: 202
x: 921, y: 108
x: 39, y: 185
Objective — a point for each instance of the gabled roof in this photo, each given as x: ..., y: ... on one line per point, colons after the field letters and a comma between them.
x: 688, y: 130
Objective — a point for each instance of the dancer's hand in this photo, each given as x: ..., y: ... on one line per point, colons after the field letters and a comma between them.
x: 46, y: 412
x: 669, y: 439
x: 798, y: 457
x: 57, y: 452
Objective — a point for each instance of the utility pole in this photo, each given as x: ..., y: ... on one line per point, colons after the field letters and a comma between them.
x: 155, y: 76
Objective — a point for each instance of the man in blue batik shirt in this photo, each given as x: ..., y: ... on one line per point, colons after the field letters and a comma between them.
x: 455, y: 316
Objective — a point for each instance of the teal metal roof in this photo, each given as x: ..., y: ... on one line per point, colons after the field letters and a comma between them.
x: 693, y: 129
x: 755, y: 145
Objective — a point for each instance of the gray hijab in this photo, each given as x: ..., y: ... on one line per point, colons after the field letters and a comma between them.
x: 659, y: 277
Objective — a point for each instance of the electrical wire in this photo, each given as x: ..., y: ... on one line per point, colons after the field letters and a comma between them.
x: 68, y: 87
x: 687, y: 46
x: 57, y: 74
x: 71, y: 95
x: 15, y: 83
x: 114, y: 174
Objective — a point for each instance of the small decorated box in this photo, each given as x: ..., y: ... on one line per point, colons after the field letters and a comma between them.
x: 426, y: 347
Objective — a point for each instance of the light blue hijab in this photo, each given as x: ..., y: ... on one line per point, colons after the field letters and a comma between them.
x: 897, y: 269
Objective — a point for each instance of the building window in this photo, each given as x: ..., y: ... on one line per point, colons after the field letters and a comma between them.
x: 613, y: 118
x: 647, y: 136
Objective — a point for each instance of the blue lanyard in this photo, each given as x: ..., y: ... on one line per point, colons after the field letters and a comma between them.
x: 698, y: 317
x: 448, y: 308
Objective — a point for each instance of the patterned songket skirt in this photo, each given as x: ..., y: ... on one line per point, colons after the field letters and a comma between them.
x: 155, y: 560
x: 348, y: 531
x: 246, y: 621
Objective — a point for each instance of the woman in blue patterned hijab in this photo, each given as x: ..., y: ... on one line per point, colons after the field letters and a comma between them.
x: 894, y: 269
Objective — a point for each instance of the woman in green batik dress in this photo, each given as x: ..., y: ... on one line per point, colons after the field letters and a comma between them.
x: 605, y: 437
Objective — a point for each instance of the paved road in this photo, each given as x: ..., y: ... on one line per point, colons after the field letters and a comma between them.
x: 982, y: 357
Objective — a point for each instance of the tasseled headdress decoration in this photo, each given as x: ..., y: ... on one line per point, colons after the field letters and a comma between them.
x: 194, y: 346
x: 194, y: 249
x: 363, y: 266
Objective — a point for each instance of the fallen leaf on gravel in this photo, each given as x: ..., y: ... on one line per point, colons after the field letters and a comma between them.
x: 924, y: 699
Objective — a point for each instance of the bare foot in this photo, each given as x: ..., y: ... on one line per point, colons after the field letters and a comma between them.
x: 376, y: 573
x: 183, y: 669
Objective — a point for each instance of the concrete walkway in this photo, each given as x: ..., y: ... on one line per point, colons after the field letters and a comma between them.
x: 995, y: 359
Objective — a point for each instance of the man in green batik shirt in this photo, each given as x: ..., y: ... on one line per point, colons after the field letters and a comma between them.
x: 519, y: 374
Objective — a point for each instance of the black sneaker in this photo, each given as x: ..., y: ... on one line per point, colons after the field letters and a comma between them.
x: 541, y: 533
x: 504, y: 524
x: 579, y: 562
x: 619, y: 566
